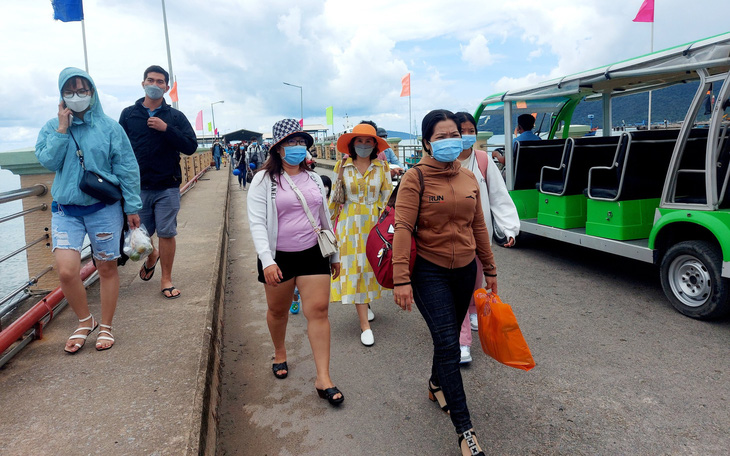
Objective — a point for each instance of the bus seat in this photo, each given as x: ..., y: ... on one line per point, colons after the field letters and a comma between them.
x: 531, y: 156
x: 639, y: 169
x: 580, y: 155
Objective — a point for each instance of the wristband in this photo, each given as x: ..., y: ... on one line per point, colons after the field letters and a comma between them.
x: 401, y: 284
x: 490, y: 275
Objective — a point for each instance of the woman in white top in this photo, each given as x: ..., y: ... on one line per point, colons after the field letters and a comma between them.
x: 499, y: 211
x: 288, y: 251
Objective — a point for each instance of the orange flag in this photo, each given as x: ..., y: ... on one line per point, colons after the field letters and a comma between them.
x: 406, y: 86
x: 173, y: 92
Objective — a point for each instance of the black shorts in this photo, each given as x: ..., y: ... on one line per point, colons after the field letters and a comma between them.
x: 295, y: 264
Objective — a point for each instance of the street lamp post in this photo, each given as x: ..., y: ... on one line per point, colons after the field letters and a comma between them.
x: 301, y: 100
x: 213, y: 114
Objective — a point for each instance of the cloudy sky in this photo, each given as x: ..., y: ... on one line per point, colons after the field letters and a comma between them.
x: 349, y: 55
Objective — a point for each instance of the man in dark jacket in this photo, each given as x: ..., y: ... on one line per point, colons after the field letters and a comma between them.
x: 217, y: 150
x: 159, y: 133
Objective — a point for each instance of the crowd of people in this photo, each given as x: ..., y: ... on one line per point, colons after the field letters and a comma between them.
x: 450, y: 205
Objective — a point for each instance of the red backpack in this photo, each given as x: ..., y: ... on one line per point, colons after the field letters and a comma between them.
x: 379, y: 246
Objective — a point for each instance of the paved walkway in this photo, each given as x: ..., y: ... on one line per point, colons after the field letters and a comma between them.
x: 618, y: 370
x: 147, y: 395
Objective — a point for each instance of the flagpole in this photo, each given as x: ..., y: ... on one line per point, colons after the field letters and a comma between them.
x: 652, y: 51
x: 410, y: 121
x: 167, y: 42
x: 83, y: 35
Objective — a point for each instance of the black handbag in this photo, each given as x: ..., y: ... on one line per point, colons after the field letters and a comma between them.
x: 95, y: 185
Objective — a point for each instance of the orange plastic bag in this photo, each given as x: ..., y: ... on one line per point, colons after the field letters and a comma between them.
x: 499, y: 332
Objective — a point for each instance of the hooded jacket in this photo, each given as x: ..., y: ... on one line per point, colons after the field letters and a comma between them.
x: 158, y: 152
x: 451, y: 227
x: 106, y: 149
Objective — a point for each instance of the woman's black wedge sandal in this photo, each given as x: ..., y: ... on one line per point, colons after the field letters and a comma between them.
x: 468, y: 444
x: 280, y: 367
x: 330, y: 394
x: 435, y: 394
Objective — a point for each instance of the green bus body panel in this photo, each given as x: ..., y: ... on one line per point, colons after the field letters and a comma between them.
x: 525, y: 202
x: 564, y: 212
x: 717, y: 222
x: 621, y: 220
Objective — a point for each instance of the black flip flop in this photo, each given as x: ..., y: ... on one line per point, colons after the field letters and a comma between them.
x: 170, y: 290
x: 148, y: 270
x: 330, y: 394
x: 276, y: 367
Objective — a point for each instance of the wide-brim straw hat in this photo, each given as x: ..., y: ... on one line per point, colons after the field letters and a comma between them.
x: 287, y: 128
x: 360, y: 130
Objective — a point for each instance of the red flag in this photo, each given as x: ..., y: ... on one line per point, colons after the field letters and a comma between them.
x: 406, y: 86
x: 216, y: 132
x: 646, y: 12
x: 173, y: 92
x: 199, y: 121
x: 301, y: 123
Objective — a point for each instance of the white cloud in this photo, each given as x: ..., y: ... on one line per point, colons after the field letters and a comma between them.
x: 343, y: 53
x: 477, y: 53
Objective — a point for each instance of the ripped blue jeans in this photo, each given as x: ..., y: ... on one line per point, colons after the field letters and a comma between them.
x: 104, y: 228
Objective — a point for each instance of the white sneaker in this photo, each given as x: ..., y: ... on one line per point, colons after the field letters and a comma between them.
x: 367, y: 337
x: 371, y: 315
x: 465, y: 354
x: 474, y: 321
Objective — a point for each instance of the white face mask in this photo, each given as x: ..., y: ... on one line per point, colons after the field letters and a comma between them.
x: 76, y: 103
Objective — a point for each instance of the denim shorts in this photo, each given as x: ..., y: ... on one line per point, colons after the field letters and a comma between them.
x: 159, y: 211
x: 104, y: 228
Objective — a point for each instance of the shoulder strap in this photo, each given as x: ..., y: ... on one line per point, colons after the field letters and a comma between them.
x: 78, y: 151
x: 301, y: 199
x: 482, y: 161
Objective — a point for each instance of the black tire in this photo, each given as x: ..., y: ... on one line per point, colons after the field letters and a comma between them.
x: 691, y: 275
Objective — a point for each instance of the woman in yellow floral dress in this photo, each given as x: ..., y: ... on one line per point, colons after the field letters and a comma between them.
x: 367, y: 189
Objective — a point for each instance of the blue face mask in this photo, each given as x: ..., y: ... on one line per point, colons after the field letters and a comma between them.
x: 446, y: 150
x: 154, y: 92
x: 468, y: 141
x: 295, y: 154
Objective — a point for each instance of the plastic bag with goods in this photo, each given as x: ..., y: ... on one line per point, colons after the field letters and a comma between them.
x: 137, y: 244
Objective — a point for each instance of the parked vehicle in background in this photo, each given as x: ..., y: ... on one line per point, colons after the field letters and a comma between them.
x: 655, y: 195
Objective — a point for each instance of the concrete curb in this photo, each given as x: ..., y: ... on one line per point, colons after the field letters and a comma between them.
x: 202, y: 438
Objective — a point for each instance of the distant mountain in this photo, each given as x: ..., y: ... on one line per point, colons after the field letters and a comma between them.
x: 399, y: 134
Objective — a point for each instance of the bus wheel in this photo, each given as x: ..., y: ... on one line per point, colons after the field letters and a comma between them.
x: 691, y: 274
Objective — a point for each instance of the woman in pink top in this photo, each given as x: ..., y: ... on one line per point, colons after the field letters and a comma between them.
x: 288, y: 252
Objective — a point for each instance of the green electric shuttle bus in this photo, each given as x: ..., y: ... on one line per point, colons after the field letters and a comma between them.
x: 656, y: 193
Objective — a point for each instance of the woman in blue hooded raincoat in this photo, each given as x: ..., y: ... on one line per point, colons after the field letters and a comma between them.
x: 107, y: 152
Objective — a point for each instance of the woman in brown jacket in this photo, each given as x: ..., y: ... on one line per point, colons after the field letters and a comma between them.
x: 451, y: 233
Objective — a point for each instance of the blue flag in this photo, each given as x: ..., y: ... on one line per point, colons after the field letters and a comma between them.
x: 68, y: 10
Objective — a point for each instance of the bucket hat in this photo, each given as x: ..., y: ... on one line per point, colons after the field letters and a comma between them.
x: 287, y: 128
x: 361, y: 130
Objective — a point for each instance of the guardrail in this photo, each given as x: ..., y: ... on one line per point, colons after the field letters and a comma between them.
x: 7, y: 302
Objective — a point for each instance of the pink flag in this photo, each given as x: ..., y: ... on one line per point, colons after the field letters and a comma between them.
x: 216, y: 132
x: 301, y: 123
x: 405, y: 90
x: 646, y: 12
x: 199, y: 121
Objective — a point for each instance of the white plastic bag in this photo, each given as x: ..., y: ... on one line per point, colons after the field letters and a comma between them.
x: 137, y: 244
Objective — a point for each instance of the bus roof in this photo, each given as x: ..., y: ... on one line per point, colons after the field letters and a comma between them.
x: 648, y: 72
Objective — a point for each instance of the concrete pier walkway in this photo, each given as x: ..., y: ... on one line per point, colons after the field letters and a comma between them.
x: 149, y: 394
x: 618, y: 370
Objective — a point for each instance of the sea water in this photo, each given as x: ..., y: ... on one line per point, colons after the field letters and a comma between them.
x: 13, y: 271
